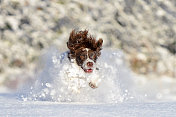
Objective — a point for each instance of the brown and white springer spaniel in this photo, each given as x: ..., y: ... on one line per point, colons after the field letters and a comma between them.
x: 84, y: 51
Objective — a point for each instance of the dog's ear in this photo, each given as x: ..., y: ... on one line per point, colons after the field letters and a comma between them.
x: 68, y: 45
x: 99, y: 43
x: 99, y: 46
x: 72, y: 48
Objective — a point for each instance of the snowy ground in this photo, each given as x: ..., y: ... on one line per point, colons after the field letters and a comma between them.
x: 14, y: 107
x: 120, y: 94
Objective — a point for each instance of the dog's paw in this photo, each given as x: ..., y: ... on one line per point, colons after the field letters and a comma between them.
x: 92, y: 85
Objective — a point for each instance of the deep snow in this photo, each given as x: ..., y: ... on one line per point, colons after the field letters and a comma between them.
x: 120, y: 93
x: 14, y: 107
x: 116, y: 80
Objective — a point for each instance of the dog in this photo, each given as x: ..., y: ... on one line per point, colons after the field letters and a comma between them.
x: 83, y: 53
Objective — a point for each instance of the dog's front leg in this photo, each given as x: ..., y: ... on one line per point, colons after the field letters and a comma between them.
x: 94, y: 83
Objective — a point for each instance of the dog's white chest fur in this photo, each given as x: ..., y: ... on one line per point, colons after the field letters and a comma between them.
x: 75, y: 78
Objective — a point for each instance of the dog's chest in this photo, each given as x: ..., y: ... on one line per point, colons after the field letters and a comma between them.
x: 74, y: 77
x: 74, y: 71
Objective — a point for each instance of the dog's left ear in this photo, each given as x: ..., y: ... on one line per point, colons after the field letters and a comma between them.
x: 99, y: 43
x: 99, y: 46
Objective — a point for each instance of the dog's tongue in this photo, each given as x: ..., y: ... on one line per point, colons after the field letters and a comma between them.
x: 88, y: 70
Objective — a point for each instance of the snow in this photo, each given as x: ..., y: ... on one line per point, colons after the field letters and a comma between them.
x: 59, y: 81
x: 119, y: 94
x: 13, y: 107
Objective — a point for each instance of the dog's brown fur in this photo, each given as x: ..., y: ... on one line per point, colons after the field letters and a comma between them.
x: 81, y: 39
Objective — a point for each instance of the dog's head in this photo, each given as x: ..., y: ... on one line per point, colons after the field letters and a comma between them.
x: 84, y: 49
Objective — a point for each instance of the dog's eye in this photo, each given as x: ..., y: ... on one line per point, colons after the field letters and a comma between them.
x: 83, y: 57
x: 92, y: 55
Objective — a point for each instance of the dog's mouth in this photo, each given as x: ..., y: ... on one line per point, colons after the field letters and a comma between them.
x: 88, y: 70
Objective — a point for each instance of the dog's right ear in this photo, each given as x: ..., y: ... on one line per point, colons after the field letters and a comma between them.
x: 70, y: 47
x: 71, y: 54
x: 71, y: 40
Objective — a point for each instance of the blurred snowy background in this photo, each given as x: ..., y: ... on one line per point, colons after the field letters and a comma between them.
x: 144, y: 30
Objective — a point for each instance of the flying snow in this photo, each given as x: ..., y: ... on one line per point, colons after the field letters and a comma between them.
x: 51, y: 84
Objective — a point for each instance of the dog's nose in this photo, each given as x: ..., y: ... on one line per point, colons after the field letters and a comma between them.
x: 90, y: 64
